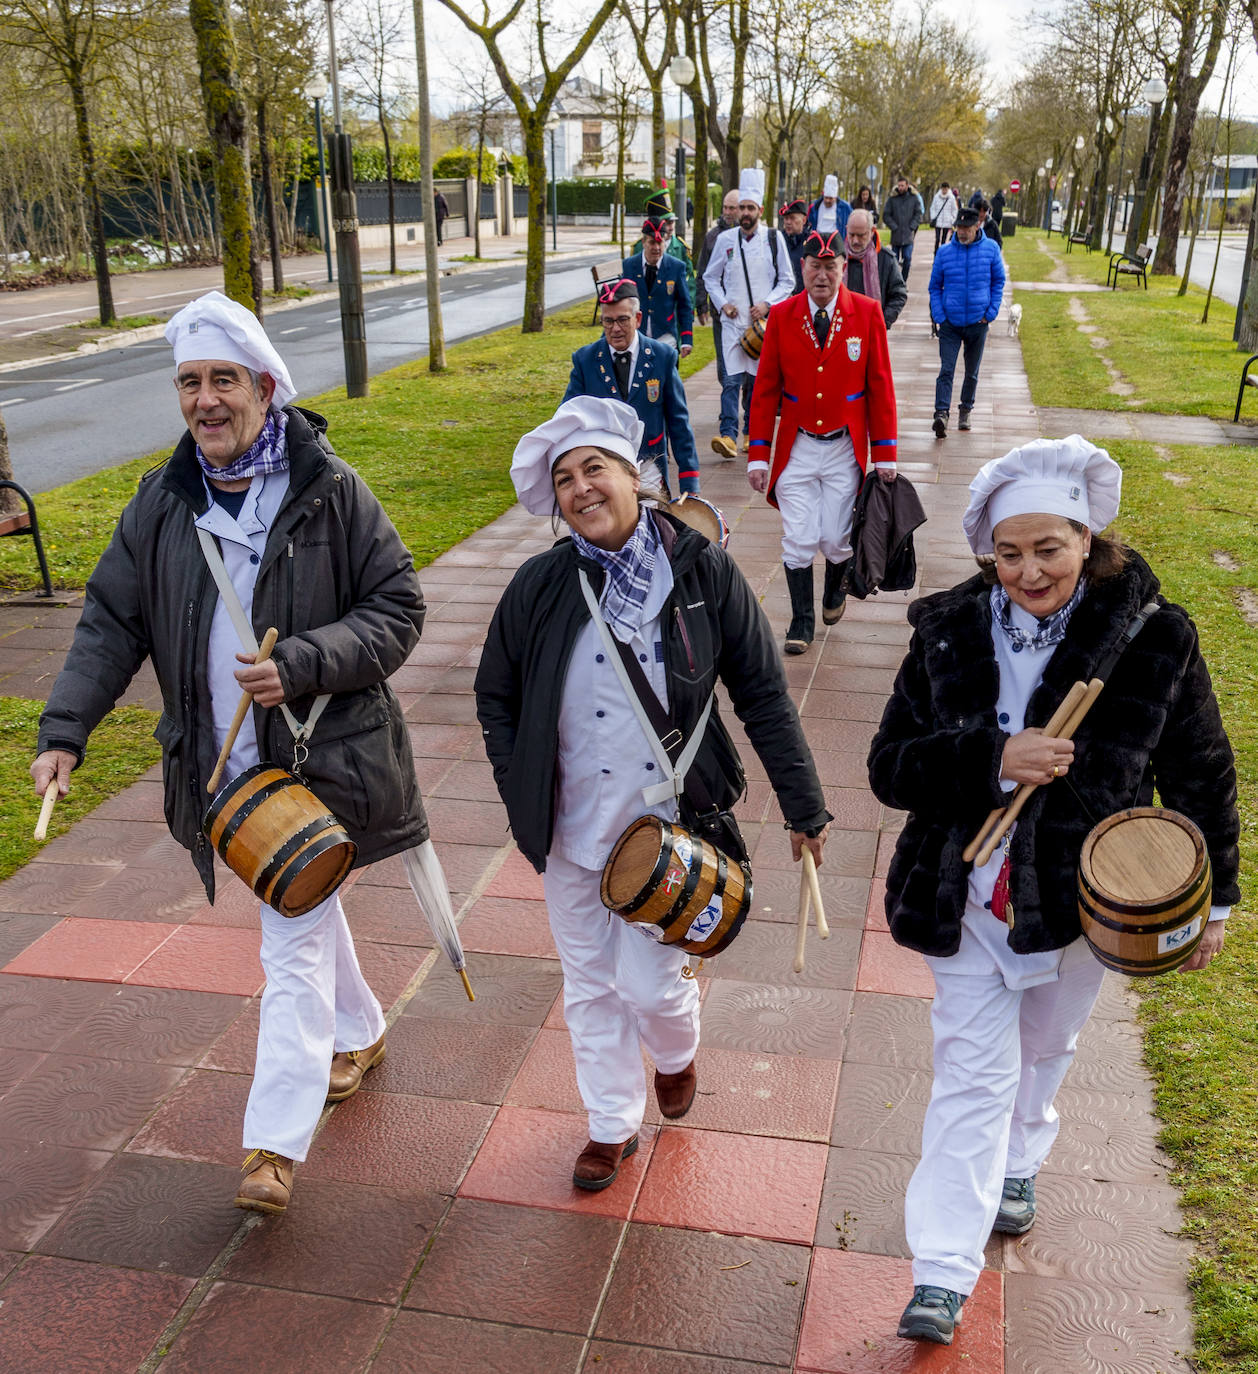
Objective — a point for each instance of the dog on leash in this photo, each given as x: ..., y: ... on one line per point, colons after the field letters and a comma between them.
x: 1015, y: 320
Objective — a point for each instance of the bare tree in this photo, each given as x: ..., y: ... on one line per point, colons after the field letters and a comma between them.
x: 707, y: 15
x: 229, y: 139
x: 787, y: 79
x: 620, y: 107
x: 653, y: 24
x: 1247, y: 324
x: 483, y: 108
x: 532, y: 101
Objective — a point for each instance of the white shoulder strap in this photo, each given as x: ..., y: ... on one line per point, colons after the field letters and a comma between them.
x: 244, y: 631
x: 674, y: 773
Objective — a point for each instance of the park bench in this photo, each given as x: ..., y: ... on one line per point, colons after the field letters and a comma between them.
x: 1248, y: 378
x: 1126, y: 265
x: 24, y: 522
x: 604, y: 272
x: 1083, y: 236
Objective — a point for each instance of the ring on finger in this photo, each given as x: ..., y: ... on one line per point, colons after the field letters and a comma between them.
x: 1056, y: 771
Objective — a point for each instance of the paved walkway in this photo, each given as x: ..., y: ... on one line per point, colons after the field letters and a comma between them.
x: 433, y: 1228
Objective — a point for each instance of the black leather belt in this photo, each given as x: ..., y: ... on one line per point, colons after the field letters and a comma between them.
x: 834, y: 433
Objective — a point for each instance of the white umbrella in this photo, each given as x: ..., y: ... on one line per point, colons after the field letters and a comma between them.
x: 432, y: 892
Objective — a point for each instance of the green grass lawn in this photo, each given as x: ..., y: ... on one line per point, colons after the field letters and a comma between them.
x: 122, y: 748
x: 1176, y: 364
x: 436, y: 448
x: 1201, y: 1029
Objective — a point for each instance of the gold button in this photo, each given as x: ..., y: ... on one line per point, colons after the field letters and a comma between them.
x: 821, y: 369
x: 818, y: 424
x: 819, y: 396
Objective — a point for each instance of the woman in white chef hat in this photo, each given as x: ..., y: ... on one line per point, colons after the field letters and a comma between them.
x: 572, y: 761
x: 1015, y: 982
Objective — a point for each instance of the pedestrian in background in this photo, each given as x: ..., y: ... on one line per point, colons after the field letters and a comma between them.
x: 902, y: 214
x: 441, y: 209
x: 943, y: 214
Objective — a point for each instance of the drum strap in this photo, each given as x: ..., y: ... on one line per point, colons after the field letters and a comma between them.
x: 299, y: 731
x: 675, y: 762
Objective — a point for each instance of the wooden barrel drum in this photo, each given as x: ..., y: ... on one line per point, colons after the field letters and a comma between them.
x: 665, y: 877
x: 275, y: 834
x: 1144, y: 890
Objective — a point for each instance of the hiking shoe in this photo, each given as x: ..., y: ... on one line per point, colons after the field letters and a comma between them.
x: 940, y: 425
x: 1017, y: 1207
x: 933, y: 1314
x: 963, y: 419
x: 725, y: 447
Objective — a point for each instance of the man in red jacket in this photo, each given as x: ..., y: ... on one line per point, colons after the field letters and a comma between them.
x: 825, y: 360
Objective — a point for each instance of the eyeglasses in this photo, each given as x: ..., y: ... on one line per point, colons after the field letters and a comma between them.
x: 617, y: 321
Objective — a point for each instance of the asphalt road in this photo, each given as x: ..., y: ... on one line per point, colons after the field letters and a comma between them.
x: 1227, y: 282
x: 71, y: 418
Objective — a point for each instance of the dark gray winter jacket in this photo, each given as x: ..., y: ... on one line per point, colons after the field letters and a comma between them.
x: 335, y: 580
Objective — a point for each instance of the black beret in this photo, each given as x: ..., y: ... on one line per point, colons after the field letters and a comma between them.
x: 966, y: 217
x: 818, y: 245
x: 622, y: 290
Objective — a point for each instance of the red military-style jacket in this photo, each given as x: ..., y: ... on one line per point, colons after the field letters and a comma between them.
x: 846, y: 383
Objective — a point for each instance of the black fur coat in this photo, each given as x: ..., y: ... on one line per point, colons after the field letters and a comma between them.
x: 937, y: 755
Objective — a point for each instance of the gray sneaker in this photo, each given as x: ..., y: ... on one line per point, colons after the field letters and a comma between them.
x: 933, y: 1314
x: 1016, y: 1215
x: 963, y: 419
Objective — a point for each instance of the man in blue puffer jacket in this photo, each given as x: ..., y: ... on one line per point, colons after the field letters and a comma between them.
x: 967, y: 283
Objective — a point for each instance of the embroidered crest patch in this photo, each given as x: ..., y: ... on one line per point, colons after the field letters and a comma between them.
x: 668, y: 286
x: 854, y: 349
x: 653, y: 389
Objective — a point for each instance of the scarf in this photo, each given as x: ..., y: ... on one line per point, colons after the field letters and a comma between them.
x: 267, y: 453
x: 630, y: 571
x: 1051, y: 630
x: 869, y: 266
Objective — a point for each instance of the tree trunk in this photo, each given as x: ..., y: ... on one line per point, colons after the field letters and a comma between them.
x: 659, y: 161
x: 481, y: 135
x: 1157, y: 165
x: 740, y: 38
x: 535, y: 255
x: 181, y: 209
x: 388, y: 176
x: 10, y: 501
x: 91, y: 190
x: 698, y: 104
x: 268, y: 201
x: 225, y: 117
x: 432, y: 273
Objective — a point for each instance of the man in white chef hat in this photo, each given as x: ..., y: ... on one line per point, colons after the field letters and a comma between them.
x: 828, y: 213
x: 254, y: 522
x: 749, y: 271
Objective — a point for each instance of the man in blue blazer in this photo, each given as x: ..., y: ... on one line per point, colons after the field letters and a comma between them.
x: 661, y: 282
x: 627, y: 366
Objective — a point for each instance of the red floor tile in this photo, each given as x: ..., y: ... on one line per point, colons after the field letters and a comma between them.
x: 678, y: 1187
x: 888, y: 967
x: 201, y: 1120
x: 342, y: 1240
x: 142, y: 893
x: 853, y: 1308
x: 236, y: 1050
x: 52, y: 889
x: 100, y: 951
x: 527, y: 1158
x: 765, y: 1094
x: 385, y: 915
x: 240, y: 1330
x: 69, y: 1318
x: 37, y: 1013
x: 548, y: 1078
x: 205, y: 959
x: 516, y: 878
x: 406, y: 1145
x: 234, y: 905
x: 876, y: 911
x: 158, y: 1025
x: 425, y: 1343
x: 608, y: 1357
x: 508, y: 925
x: 389, y: 969
x: 487, y: 1257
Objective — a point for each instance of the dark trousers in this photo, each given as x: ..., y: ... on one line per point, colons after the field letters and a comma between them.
x: 971, y: 338
x: 941, y: 236
x: 904, y: 256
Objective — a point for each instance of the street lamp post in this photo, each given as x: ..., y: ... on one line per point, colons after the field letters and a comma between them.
x: 1048, y: 197
x: 551, y: 126
x: 1154, y: 93
x: 1068, y: 218
x: 681, y: 71
x: 316, y: 89
x: 1120, y: 189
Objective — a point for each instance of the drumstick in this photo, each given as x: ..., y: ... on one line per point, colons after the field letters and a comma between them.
x: 51, y: 793
x: 814, y: 888
x: 246, y: 700
x: 1054, y: 727
x: 801, y: 933
x: 1091, y: 692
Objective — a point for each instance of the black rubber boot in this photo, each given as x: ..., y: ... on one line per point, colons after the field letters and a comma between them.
x: 803, y: 617
x: 940, y: 424
x: 834, y: 598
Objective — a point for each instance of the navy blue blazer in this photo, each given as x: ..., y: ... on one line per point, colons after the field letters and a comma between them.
x: 655, y: 392
x: 669, y: 310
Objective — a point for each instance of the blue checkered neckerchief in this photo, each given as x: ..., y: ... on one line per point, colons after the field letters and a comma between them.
x: 267, y: 453
x: 1051, y: 630
x: 630, y: 572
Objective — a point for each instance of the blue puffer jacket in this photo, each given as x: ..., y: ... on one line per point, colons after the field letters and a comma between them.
x: 967, y: 282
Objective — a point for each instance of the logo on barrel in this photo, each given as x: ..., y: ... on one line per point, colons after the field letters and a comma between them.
x: 706, y: 921
x: 683, y: 849
x: 673, y: 879
x: 1174, y: 939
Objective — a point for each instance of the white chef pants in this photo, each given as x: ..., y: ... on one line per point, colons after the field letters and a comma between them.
x: 621, y: 990
x: 1000, y: 1056
x: 816, y: 495
x: 316, y: 1003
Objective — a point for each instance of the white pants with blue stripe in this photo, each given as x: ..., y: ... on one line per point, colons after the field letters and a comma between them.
x: 816, y: 495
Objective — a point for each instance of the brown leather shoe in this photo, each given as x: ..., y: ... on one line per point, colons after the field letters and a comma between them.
x: 348, y: 1068
x: 675, y: 1092
x: 599, y: 1163
x: 267, y: 1184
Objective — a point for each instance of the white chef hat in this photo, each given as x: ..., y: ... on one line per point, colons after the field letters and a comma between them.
x: 751, y: 185
x: 594, y: 421
x: 214, y: 327
x: 1068, y: 477
x: 831, y: 186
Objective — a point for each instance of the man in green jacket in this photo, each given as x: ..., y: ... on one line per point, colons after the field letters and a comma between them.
x: 307, y: 549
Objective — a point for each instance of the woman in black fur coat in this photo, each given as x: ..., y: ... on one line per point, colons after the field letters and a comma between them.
x: 988, y: 664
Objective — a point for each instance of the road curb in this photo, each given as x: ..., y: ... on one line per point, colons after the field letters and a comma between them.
x: 128, y: 337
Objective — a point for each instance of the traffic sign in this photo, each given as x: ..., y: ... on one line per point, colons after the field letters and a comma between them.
x: 871, y: 171
x: 1015, y: 186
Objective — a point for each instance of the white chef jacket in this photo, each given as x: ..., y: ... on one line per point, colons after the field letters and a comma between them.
x: 726, y: 284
